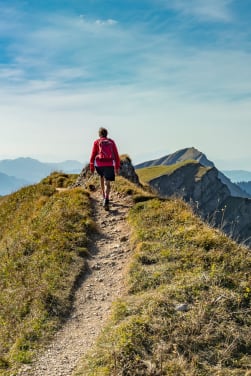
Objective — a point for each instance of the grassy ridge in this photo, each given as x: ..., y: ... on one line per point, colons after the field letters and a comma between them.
x: 188, y: 306
x: 43, y: 242
x: 149, y: 173
x: 187, y: 311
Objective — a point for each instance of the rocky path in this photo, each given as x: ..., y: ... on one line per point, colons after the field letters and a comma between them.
x: 104, y: 282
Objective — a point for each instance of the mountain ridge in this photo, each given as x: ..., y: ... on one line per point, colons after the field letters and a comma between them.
x: 191, y: 153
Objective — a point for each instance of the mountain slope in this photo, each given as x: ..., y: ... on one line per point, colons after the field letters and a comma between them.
x: 245, y: 186
x: 238, y: 175
x: 10, y: 184
x: 179, y: 156
x: 194, y: 154
x: 181, y: 314
x: 43, y: 241
x: 185, y: 310
x: 202, y: 188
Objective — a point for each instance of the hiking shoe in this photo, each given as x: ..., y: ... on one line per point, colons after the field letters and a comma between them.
x: 106, y: 204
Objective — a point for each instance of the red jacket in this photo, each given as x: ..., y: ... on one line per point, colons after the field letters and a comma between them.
x: 95, y: 161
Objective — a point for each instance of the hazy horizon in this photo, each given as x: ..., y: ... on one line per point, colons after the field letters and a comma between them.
x: 218, y: 163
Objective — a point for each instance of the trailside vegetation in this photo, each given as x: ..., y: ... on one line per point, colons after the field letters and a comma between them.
x: 187, y: 311
x: 43, y: 244
x: 187, y: 307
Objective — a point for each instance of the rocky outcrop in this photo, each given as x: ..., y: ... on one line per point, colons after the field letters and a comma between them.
x: 201, y: 187
x: 193, y: 183
x: 127, y: 170
x: 83, y: 177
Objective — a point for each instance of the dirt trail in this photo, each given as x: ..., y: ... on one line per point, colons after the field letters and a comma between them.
x: 104, y: 282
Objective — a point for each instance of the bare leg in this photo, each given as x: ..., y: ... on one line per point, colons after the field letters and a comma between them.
x: 102, y: 184
x: 107, y: 188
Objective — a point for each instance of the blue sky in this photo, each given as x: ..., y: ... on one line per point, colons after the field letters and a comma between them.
x: 161, y: 75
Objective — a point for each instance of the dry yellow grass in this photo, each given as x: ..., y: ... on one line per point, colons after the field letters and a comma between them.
x: 187, y: 311
x: 42, y: 247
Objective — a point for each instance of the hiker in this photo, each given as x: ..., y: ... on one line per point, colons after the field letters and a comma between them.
x: 105, y: 159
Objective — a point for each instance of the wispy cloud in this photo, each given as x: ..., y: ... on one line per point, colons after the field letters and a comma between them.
x: 106, y: 22
x: 59, y: 46
x: 69, y: 52
x: 213, y: 10
x: 59, y: 69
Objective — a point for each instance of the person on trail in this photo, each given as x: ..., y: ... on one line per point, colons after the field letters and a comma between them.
x: 105, y: 160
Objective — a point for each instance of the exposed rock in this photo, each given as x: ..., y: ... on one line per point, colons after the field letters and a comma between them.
x: 83, y: 177
x: 210, y: 198
x: 193, y: 183
x: 127, y: 170
x: 183, y: 307
x: 196, y: 155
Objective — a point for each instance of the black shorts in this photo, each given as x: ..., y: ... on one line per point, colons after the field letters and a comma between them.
x: 107, y: 172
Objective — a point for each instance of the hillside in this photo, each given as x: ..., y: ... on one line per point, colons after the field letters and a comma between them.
x: 203, y: 189
x: 184, y: 308
x: 187, y: 307
x: 43, y: 242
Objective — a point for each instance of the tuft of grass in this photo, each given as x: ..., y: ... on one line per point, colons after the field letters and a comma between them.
x: 187, y: 311
x: 43, y: 244
x: 59, y: 179
x: 125, y: 157
x: 126, y: 188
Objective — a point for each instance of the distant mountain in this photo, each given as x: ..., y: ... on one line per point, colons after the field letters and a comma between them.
x: 245, y: 186
x: 15, y: 173
x: 9, y: 184
x: 194, y: 154
x: 33, y: 170
x: 238, y: 175
x: 179, y: 156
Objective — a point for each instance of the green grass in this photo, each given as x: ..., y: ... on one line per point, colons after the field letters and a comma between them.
x: 43, y: 244
x: 127, y: 188
x: 59, y: 180
x: 178, y: 260
x: 147, y: 174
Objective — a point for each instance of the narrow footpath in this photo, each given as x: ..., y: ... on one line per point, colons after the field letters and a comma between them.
x: 104, y: 282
